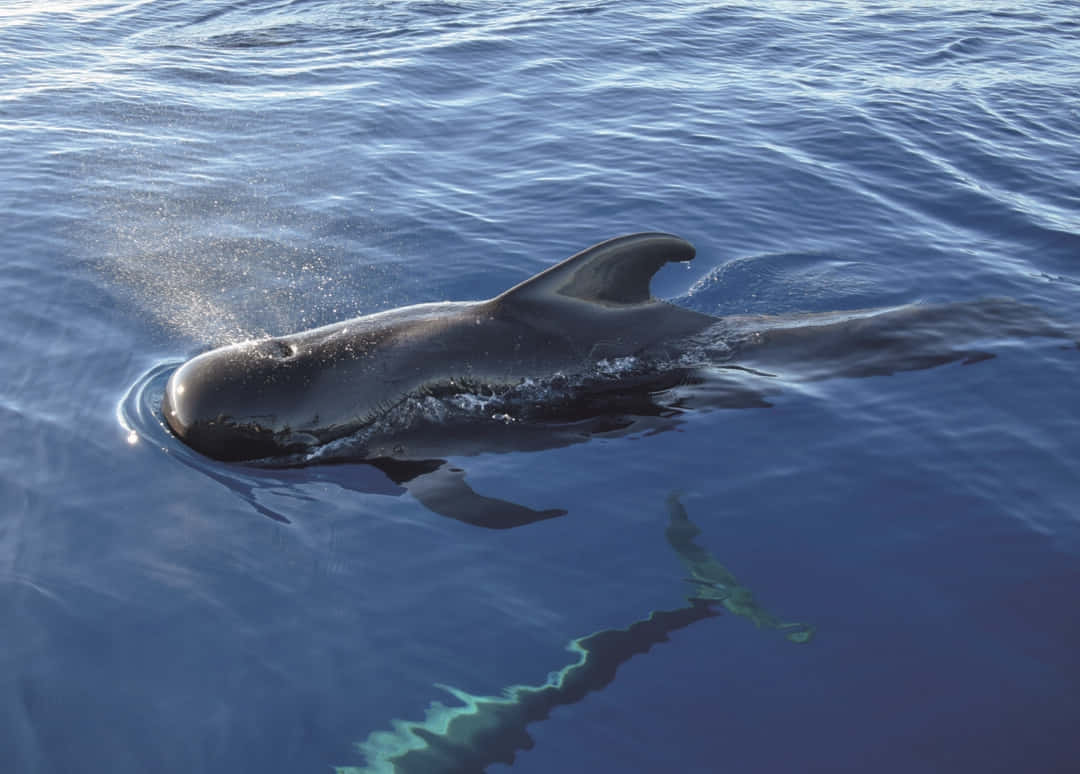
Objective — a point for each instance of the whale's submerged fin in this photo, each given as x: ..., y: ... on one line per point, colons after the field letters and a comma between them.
x: 617, y: 271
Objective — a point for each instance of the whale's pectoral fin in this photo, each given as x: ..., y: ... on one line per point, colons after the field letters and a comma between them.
x: 442, y: 489
x: 617, y: 271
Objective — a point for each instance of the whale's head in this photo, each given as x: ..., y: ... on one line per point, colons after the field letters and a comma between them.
x: 283, y: 394
x: 243, y: 401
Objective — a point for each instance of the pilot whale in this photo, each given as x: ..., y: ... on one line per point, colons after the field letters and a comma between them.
x: 580, y: 350
x: 281, y: 395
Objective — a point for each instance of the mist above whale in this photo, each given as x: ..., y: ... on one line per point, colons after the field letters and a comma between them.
x: 276, y: 395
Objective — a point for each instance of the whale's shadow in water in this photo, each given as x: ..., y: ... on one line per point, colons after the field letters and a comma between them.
x: 741, y: 362
x: 485, y: 730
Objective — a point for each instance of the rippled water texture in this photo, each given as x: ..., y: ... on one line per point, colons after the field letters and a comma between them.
x: 175, y: 176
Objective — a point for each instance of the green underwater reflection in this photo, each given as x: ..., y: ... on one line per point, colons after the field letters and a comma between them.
x: 485, y: 730
x: 715, y: 583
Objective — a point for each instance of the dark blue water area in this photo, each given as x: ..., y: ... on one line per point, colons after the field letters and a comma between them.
x: 181, y: 175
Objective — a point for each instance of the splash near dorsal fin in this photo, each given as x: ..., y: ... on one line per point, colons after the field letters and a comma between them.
x: 617, y: 271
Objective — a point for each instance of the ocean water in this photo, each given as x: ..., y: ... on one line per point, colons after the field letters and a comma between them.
x: 874, y: 569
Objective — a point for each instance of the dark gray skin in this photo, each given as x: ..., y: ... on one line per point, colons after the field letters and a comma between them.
x: 279, y: 395
x: 276, y: 396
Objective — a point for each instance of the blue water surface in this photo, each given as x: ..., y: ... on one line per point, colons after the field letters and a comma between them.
x: 180, y: 175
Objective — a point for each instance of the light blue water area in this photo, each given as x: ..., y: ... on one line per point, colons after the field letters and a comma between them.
x: 179, y: 175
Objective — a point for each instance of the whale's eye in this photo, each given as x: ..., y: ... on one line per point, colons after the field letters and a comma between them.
x: 281, y: 349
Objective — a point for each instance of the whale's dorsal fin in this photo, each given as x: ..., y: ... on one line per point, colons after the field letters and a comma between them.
x: 617, y: 271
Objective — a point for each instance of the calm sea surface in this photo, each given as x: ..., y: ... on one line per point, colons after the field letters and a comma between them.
x: 179, y: 175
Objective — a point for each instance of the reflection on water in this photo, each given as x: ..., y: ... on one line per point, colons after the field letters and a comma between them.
x: 485, y: 730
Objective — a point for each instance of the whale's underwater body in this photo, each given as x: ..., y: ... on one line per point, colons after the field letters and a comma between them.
x: 360, y: 381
